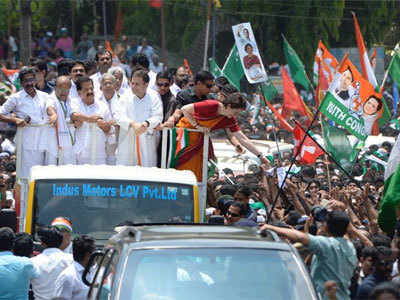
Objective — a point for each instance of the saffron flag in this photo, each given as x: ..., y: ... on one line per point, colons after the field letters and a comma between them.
x: 291, y: 98
x: 296, y: 66
x: 325, y: 60
x: 389, y: 204
x: 309, y: 150
x: 322, y: 87
x: 187, y: 66
x: 366, y: 67
x: 118, y: 22
x: 352, y: 102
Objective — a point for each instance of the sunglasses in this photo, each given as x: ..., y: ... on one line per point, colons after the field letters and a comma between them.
x: 163, y: 84
x: 209, y: 86
x: 232, y: 214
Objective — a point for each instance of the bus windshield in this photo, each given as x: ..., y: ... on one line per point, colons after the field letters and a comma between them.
x: 95, y: 207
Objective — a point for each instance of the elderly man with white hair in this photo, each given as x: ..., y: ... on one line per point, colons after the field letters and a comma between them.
x: 110, y: 97
x: 122, y: 84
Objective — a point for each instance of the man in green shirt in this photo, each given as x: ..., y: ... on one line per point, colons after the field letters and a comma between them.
x: 334, y: 256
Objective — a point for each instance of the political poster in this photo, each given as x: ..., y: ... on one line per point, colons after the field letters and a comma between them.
x: 249, y: 54
x: 352, y: 102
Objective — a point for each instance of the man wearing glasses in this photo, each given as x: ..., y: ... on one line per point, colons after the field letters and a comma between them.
x: 203, y: 82
x: 39, y: 144
x: 236, y: 215
x: 169, y: 102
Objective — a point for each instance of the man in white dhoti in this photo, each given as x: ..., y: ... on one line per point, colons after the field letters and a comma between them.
x: 137, y: 117
x: 31, y: 107
x: 92, y: 121
x: 110, y: 97
x: 65, y: 130
x: 104, y: 62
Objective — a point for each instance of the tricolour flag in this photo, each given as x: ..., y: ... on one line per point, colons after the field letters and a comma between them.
x: 296, y: 66
x: 366, y: 66
x: 390, y: 201
x: 325, y: 60
x: 322, y: 87
x: 179, y: 140
x: 232, y: 68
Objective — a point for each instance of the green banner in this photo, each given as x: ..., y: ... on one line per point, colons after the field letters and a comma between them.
x: 339, y: 114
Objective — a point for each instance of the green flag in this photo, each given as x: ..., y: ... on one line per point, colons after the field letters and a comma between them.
x: 233, y: 69
x: 296, y: 66
x: 394, y: 68
x: 338, y: 145
x: 268, y: 90
x: 214, y: 68
x: 390, y: 200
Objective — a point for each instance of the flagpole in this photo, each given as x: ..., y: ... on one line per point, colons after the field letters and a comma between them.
x: 207, y: 35
x: 290, y: 167
x: 328, y: 173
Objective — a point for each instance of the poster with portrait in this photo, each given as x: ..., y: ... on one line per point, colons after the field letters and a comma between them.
x: 249, y: 54
x: 352, y: 102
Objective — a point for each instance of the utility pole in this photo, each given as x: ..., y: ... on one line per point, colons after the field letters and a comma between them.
x: 25, y: 30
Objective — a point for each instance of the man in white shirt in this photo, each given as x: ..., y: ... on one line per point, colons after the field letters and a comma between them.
x: 92, y: 121
x: 51, y: 262
x: 65, y: 130
x: 146, y: 49
x: 77, y: 70
x: 137, y: 117
x: 109, y: 97
x: 180, y: 75
x: 104, y: 62
x: 38, y: 143
x: 122, y: 83
x: 69, y: 284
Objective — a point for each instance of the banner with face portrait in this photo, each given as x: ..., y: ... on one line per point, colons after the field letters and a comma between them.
x: 352, y: 102
x: 249, y: 54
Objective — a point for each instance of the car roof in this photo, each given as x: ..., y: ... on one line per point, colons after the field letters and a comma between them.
x: 199, y: 235
x: 112, y: 173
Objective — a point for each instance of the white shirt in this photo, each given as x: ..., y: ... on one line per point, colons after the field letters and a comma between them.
x: 83, y: 134
x: 152, y: 82
x: 8, y: 146
x: 23, y: 105
x: 175, y: 89
x: 96, y: 77
x: 69, y: 284
x: 131, y: 108
x: 66, y: 130
x: 51, y: 262
x: 112, y: 106
x: 73, y: 92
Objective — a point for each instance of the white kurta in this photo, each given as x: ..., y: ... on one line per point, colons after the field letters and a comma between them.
x: 39, y: 144
x: 111, y: 143
x: 96, y: 77
x: 73, y: 92
x: 133, y: 109
x: 90, y: 140
x: 66, y: 130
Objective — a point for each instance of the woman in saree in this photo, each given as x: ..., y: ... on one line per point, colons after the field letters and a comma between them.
x: 207, y: 116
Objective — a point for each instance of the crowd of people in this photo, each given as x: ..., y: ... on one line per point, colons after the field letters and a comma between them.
x: 60, y: 105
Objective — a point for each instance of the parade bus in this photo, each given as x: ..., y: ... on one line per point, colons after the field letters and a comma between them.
x: 96, y: 198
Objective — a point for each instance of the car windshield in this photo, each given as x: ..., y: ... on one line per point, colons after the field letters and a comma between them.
x: 213, y: 273
x: 95, y: 207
